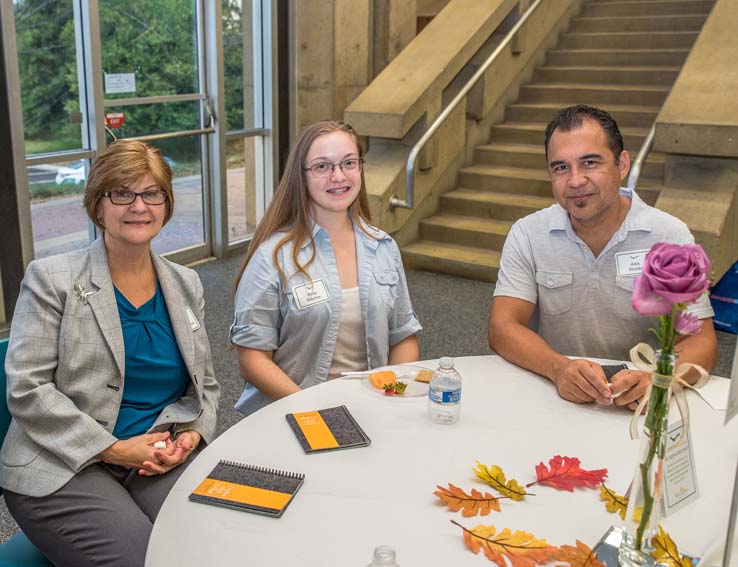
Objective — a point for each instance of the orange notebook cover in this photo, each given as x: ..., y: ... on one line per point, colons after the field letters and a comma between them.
x: 327, y: 430
x: 250, y: 488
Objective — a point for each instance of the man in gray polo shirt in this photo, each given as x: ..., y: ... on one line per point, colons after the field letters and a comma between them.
x: 568, y: 270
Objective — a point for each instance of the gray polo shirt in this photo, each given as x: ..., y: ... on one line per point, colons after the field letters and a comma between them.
x: 583, y: 303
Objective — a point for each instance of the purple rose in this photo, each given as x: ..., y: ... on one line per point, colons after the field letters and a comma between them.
x: 672, y: 273
x: 686, y: 324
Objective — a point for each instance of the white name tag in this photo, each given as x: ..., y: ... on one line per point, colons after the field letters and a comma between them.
x: 311, y: 293
x: 194, y: 323
x: 630, y: 263
x: 680, y: 477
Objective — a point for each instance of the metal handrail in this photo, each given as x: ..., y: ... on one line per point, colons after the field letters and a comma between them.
x: 396, y: 202
x: 637, y: 165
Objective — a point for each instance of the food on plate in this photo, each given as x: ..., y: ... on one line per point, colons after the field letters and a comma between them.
x: 389, y: 389
x: 424, y: 376
x: 382, y: 379
x: 400, y: 388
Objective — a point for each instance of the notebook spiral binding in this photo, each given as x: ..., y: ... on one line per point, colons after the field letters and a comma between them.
x: 278, y: 472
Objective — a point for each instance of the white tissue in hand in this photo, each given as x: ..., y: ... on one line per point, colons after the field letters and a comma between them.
x: 160, y: 445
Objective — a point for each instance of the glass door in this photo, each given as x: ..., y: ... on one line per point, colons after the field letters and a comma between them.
x: 153, y: 69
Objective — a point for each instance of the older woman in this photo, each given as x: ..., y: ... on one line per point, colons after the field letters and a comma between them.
x: 110, y: 377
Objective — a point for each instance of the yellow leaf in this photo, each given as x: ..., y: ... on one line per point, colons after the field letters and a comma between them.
x: 496, y: 479
x: 617, y: 504
x: 579, y: 556
x: 665, y: 551
x: 520, y: 548
x: 469, y: 504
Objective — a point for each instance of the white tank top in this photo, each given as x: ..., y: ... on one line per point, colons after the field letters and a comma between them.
x: 350, y: 353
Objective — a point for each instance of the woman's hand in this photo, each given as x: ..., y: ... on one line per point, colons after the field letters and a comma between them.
x: 174, y: 454
x: 134, y: 452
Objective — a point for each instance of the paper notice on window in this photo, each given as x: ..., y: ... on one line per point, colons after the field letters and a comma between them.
x: 680, y: 476
x: 116, y: 83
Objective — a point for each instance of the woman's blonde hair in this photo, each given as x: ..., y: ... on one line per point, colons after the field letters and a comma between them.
x: 289, y: 211
x: 122, y: 164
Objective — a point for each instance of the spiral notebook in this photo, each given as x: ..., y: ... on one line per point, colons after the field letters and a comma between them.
x: 246, y: 487
x: 327, y: 430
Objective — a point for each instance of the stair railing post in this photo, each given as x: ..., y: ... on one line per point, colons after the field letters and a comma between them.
x: 408, y: 202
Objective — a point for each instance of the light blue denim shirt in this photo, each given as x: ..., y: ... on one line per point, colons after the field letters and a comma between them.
x: 303, y: 341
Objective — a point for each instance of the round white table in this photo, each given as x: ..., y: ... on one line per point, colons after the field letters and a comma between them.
x: 356, y: 499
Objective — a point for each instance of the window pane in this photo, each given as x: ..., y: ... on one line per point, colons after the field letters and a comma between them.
x: 241, y: 188
x: 186, y: 227
x: 158, y: 118
x: 148, y: 48
x: 47, y: 63
x: 238, y: 60
x: 58, y: 219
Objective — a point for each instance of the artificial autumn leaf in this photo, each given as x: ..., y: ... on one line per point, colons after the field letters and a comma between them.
x: 565, y: 473
x: 496, y: 479
x: 520, y: 548
x: 579, y: 556
x: 665, y: 551
x: 617, y: 504
x: 613, y: 502
x: 469, y: 504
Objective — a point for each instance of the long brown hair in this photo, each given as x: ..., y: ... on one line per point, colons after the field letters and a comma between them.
x: 289, y: 211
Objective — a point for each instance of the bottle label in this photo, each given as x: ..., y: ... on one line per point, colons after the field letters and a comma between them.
x: 445, y: 396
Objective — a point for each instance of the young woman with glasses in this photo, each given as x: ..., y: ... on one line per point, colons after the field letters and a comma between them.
x: 110, y: 378
x: 321, y: 290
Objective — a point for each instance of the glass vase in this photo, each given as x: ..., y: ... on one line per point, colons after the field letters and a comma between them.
x: 646, y: 490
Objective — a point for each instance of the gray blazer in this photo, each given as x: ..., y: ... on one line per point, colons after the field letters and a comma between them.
x: 66, y: 363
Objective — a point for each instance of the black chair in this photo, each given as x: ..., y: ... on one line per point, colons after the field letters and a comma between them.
x: 18, y: 551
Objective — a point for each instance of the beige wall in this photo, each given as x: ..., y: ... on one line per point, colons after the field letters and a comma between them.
x: 339, y: 46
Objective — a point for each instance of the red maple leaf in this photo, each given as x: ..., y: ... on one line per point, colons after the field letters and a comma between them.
x: 566, y: 474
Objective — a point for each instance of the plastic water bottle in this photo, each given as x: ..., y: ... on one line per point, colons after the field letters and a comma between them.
x: 384, y: 556
x: 444, y: 394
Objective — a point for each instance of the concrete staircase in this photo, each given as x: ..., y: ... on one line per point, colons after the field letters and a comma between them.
x: 620, y: 55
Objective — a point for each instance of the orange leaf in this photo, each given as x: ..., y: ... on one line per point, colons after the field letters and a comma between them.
x: 566, y: 474
x: 520, y: 548
x: 469, y: 504
x: 579, y: 556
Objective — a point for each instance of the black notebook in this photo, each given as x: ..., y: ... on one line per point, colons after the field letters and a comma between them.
x: 250, y: 488
x: 327, y: 430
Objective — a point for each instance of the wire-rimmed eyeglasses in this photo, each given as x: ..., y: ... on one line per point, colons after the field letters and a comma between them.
x: 126, y: 197
x: 325, y: 168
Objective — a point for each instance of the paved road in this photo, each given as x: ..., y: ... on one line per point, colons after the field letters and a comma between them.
x: 61, y: 224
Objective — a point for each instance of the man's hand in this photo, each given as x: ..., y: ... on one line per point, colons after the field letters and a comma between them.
x: 628, y: 387
x: 581, y: 381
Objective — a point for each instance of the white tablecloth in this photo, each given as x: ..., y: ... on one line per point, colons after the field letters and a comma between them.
x: 356, y: 499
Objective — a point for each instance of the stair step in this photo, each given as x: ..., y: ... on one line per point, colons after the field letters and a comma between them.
x: 595, y: 95
x: 527, y: 181
x: 533, y: 133
x: 614, y: 75
x: 641, y: 57
x: 465, y: 261
x: 530, y: 156
x: 466, y: 231
x: 640, y: 8
x: 681, y: 22
x: 628, y: 40
x: 624, y: 115
x: 489, y: 205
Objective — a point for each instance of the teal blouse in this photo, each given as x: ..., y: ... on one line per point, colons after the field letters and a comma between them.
x: 155, y: 373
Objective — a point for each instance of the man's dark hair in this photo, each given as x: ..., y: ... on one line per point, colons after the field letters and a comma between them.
x: 568, y: 119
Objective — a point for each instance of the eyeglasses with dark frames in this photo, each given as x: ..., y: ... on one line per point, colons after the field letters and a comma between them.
x: 325, y: 168
x: 126, y: 197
